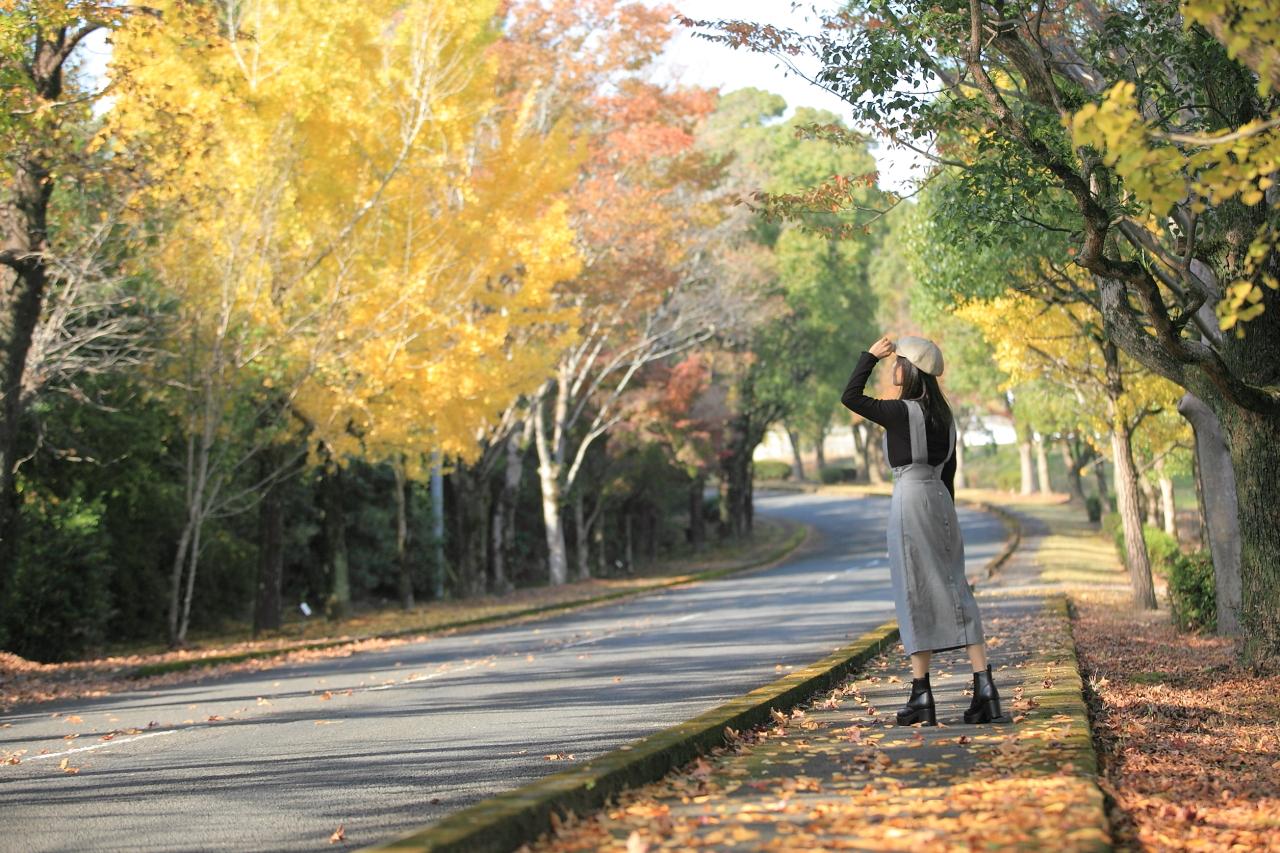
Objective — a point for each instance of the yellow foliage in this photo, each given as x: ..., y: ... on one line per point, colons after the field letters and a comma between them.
x: 348, y: 217
x: 1032, y: 340
x: 1162, y: 170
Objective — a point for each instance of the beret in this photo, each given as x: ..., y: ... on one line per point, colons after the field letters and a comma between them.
x: 921, y: 352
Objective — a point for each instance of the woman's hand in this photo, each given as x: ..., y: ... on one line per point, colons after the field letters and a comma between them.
x: 881, y: 348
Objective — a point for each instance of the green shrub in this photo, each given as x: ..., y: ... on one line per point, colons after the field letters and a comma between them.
x: 1093, y: 506
x: 1162, y: 548
x: 57, y: 605
x: 836, y: 474
x: 771, y: 469
x: 1191, y: 592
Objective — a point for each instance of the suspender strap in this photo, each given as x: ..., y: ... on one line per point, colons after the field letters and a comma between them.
x: 919, y: 447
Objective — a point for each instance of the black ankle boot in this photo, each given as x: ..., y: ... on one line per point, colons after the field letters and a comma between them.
x: 919, y: 708
x: 985, y: 706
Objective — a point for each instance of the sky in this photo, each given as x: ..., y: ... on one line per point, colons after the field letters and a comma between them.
x: 699, y: 62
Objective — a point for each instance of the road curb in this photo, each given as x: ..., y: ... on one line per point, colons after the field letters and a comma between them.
x: 1065, y: 700
x: 794, y: 541
x: 504, y: 822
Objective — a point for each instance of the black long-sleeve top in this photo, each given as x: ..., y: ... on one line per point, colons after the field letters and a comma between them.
x: 892, y: 415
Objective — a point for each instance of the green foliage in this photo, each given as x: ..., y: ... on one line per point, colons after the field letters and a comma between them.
x: 58, y: 604
x: 1192, y: 594
x: 772, y: 469
x: 836, y: 474
x: 1093, y: 506
x: 1162, y: 549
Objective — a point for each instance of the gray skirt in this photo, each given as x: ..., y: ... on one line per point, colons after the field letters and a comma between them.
x: 935, y: 606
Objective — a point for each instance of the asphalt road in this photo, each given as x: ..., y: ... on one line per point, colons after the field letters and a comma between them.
x: 415, y: 732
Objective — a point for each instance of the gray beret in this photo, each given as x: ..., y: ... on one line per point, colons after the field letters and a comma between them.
x: 921, y: 352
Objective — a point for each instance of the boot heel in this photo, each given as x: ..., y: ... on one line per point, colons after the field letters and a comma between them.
x: 928, y: 716
x: 988, y: 711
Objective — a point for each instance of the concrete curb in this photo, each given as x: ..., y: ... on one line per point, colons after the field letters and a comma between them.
x: 507, y: 820
x: 1066, y: 700
x: 795, y: 540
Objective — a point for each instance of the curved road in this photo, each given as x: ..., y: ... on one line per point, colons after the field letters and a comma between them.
x: 430, y: 727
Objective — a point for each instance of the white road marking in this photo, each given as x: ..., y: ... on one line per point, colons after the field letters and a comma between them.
x: 99, y: 745
x: 829, y: 577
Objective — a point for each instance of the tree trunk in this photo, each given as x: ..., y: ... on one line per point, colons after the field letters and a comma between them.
x: 1221, y: 520
x: 1202, y: 516
x: 437, y: 524
x: 1167, y: 509
x: 25, y: 249
x: 875, y: 457
x: 1254, y: 440
x: 630, y: 554
x: 402, y: 535
x: 960, y: 481
x: 1100, y: 480
x: 1070, y: 464
x: 860, y: 456
x: 1138, y: 562
x: 652, y: 533
x: 1148, y: 504
x: 337, y: 567
x: 797, y: 464
x: 697, y: 521
x: 266, y: 606
x: 735, y: 482
x: 580, y: 535
x: 471, y: 516
x: 1042, y: 465
x: 549, y: 480
x: 597, y: 533
x: 504, y: 520
x: 1024, y: 458
x: 820, y: 451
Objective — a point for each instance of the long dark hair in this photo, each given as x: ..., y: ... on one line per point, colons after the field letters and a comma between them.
x: 923, y: 387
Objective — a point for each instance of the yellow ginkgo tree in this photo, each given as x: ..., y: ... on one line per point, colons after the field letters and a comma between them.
x: 353, y: 233
x: 1063, y: 344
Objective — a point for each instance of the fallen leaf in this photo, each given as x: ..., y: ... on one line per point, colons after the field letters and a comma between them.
x: 339, y: 835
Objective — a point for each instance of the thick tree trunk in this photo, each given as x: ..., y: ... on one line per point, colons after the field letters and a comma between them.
x: 1254, y: 440
x: 697, y: 521
x: 735, y: 481
x: 266, y: 606
x: 960, y: 481
x: 549, y: 480
x: 405, y: 585
x: 337, y: 567
x: 1221, y: 519
x: 25, y: 250
x: 797, y: 463
x: 820, y: 451
x: 1072, y: 466
x: 1042, y: 466
x: 1136, y: 559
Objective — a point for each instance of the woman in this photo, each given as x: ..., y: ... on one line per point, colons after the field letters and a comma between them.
x: 935, y: 607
